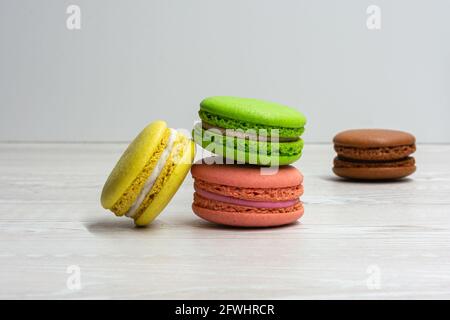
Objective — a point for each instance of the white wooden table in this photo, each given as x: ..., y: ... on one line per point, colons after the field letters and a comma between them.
x: 355, y: 241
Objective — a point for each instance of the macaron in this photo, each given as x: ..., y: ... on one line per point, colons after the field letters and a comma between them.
x: 374, y: 154
x: 148, y: 174
x: 250, y: 131
x: 240, y: 196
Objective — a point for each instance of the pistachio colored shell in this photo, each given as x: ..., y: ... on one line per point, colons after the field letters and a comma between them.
x: 249, y: 158
x: 254, y: 111
x: 170, y: 187
x: 132, y: 162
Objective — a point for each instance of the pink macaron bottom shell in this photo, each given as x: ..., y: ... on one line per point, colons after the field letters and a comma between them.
x: 246, y: 203
x: 248, y: 219
x: 243, y: 216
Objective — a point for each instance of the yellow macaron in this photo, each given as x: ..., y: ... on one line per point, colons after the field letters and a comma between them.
x: 148, y: 174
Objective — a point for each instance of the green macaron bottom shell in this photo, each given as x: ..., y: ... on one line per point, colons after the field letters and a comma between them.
x: 263, y: 153
x: 239, y: 156
x: 228, y: 123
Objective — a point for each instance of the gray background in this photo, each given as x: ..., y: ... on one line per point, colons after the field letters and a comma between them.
x: 137, y: 61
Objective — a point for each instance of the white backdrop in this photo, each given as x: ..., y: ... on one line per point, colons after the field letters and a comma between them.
x: 136, y: 61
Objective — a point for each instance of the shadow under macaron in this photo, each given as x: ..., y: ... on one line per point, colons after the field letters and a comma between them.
x: 202, y: 224
x: 114, y: 226
x: 361, y: 181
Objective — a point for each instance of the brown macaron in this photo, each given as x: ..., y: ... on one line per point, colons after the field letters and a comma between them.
x: 374, y: 154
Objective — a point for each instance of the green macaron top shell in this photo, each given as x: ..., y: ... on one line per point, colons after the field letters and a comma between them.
x: 254, y: 111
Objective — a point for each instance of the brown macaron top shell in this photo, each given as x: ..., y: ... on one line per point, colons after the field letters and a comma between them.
x: 374, y: 144
x: 373, y: 138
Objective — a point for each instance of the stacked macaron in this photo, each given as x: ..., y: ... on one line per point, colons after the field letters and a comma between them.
x: 239, y: 195
x: 249, y: 133
x: 374, y: 154
x: 250, y: 130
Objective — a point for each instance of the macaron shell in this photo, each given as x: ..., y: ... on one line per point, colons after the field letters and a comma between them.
x: 384, y: 173
x: 170, y: 187
x: 239, y: 219
x: 254, y: 159
x: 373, y: 138
x: 254, y: 111
x: 132, y: 162
x: 232, y: 175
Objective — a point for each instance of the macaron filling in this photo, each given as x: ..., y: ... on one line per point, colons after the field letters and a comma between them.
x: 220, y: 142
x: 341, y: 162
x: 247, y: 203
x: 154, y: 175
x: 251, y: 134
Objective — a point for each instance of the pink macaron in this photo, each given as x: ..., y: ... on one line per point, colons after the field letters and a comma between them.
x: 243, y: 196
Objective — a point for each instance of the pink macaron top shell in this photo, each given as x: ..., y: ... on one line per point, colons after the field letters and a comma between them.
x: 246, y: 176
x: 247, y: 203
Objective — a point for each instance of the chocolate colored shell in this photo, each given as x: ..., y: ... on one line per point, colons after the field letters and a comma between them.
x: 374, y: 170
x: 374, y: 144
x: 373, y: 138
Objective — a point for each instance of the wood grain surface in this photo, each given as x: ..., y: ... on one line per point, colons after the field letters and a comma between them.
x: 355, y: 241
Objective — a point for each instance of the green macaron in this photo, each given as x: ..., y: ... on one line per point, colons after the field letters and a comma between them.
x: 250, y: 130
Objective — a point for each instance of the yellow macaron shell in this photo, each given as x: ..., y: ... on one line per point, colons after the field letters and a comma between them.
x: 171, y: 183
x: 133, y: 162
